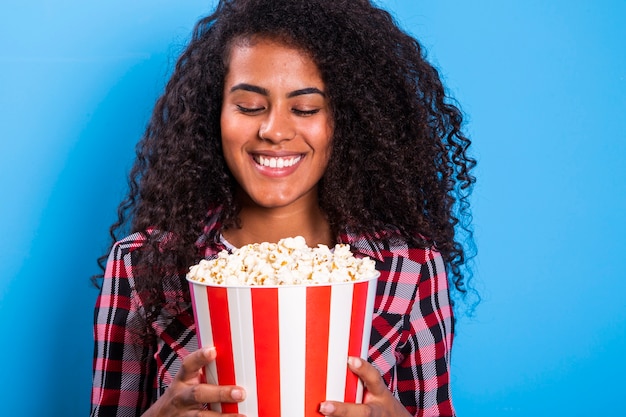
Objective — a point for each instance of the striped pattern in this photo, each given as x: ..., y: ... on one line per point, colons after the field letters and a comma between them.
x: 281, y: 345
x: 410, y: 342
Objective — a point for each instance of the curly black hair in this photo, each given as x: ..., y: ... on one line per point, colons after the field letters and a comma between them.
x: 397, y: 143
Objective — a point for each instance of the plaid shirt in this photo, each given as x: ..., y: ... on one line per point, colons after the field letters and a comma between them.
x: 410, y: 342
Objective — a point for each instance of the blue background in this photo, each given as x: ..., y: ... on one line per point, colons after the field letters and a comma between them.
x: 543, y: 85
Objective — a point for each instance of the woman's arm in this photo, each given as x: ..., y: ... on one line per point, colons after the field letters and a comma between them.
x: 123, y: 366
x: 423, y: 370
x: 411, y: 339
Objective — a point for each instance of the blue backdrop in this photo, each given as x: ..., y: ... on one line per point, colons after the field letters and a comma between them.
x: 543, y: 85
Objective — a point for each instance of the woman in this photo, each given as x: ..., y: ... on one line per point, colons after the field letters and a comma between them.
x: 282, y: 118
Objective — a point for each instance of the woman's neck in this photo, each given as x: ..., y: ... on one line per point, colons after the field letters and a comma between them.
x: 260, y: 224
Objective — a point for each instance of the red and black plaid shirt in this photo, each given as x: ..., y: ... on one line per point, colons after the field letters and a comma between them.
x: 410, y: 342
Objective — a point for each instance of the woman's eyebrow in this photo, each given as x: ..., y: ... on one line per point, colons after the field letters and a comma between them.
x: 310, y: 90
x: 250, y: 87
x: 265, y: 92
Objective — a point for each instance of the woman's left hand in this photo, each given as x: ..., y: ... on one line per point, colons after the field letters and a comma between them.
x: 378, y: 401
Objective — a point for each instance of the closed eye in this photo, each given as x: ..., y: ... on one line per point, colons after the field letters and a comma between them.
x: 249, y: 110
x: 298, y: 112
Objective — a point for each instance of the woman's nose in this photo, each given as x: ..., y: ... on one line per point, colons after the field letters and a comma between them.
x: 277, y: 126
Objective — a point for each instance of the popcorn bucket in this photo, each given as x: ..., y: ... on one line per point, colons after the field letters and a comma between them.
x: 286, y: 345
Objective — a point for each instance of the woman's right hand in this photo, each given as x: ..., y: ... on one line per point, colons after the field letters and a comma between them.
x: 187, y: 395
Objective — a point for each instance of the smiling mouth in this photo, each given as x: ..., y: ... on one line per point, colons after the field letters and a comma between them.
x: 277, y: 162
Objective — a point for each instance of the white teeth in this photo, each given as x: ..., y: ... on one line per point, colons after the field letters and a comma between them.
x: 277, y: 162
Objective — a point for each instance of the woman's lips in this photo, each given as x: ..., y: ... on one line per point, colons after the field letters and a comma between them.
x: 276, y: 161
x: 273, y: 165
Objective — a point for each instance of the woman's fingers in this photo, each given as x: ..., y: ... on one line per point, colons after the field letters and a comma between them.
x: 198, y: 393
x: 205, y: 393
x: 368, y: 374
x: 377, y: 401
x: 209, y: 413
x: 374, y: 384
x: 338, y: 409
x: 188, y: 395
x: 194, y: 362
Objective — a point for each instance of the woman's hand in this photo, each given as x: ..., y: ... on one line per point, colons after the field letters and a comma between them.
x: 377, y: 402
x: 187, y: 395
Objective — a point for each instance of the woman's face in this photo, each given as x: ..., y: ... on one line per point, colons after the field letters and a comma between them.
x: 276, y: 124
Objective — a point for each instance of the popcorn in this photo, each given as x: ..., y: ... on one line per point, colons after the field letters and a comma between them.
x: 288, y: 262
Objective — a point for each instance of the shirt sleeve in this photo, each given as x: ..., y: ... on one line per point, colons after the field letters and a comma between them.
x: 123, y: 369
x: 424, y: 371
x: 413, y: 330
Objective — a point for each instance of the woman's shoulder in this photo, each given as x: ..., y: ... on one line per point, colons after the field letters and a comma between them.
x: 136, y: 240
x: 401, y: 259
x: 390, y: 244
x: 132, y: 243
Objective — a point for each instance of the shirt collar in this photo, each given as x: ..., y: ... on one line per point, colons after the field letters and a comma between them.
x: 209, y: 242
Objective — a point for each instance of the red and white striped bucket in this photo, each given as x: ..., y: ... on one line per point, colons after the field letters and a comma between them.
x: 286, y: 345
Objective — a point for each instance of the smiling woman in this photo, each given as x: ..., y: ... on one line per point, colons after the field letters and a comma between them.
x: 321, y: 120
x: 276, y: 136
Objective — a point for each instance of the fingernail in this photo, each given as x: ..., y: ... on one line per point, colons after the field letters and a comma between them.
x: 327, y: 408
x: 238, y: 394
x: 355, y: 362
